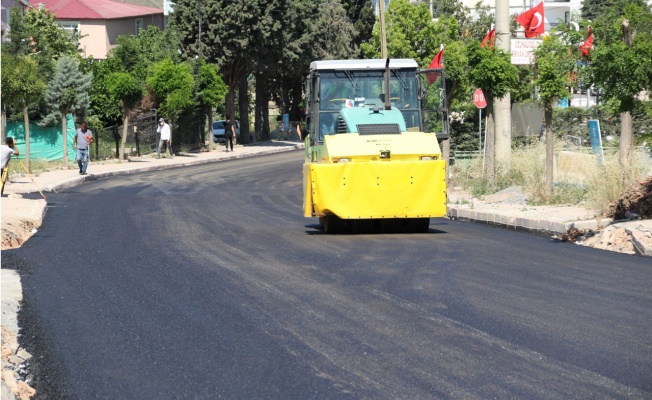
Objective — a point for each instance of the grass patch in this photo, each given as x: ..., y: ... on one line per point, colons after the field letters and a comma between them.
x: 609, y: 182
x: 602, y: 186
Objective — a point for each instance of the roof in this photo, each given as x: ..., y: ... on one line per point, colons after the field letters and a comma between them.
x: 144, y: 3
x: 374, y: 64
x: 96, y: 9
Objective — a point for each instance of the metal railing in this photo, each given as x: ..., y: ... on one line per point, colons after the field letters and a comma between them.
x: 142, y: 138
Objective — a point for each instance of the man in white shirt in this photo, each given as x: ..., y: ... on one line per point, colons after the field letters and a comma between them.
x: 164, y: 129
x: 6, y: 150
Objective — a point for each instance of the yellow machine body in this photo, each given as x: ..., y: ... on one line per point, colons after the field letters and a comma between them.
x: 354, y: 176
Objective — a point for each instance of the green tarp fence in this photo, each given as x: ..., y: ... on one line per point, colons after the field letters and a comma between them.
x: 45, y: 143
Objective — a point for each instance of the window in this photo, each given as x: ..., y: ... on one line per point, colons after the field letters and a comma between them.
x: 139, y: 25
x: 71, y: 26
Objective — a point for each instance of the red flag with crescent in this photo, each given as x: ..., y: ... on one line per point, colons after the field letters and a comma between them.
x: 489, y: 39
x: 532, y: 21
x: 435, y: 63
x: 587, y: 46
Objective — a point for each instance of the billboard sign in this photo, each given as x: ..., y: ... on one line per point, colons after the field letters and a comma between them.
x: 523, y: 50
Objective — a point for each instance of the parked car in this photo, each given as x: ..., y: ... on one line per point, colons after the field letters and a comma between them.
x: 218, y: 131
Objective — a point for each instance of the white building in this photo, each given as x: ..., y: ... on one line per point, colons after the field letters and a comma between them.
x: 554, y: 10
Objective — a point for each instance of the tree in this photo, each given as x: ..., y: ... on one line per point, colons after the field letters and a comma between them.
x: 278, y: 42
x: 228, y: 42
x: 328, y: 35
x: 21, y: 87
x: 130, y: 91
x: 67, y: 93
x: 491, y: 70
x: 51, y: 41
x: 137, y: 53
x: 554, y: 62
x: 103, y: 103
x: 413, y: 34
x: 18, y: 42
x: 592, y: 9
x: 172, y: 84
x: 622, y: 66
x: 361, y: 14
x: 210, y: 90
x: 472, y: 27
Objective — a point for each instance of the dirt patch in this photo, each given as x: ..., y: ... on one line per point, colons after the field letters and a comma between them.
x: 612, y: 238
x: 636, y: 202
x: 15, y: 362
x: 15, y: 233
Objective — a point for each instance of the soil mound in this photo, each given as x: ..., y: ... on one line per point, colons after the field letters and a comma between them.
x: 635, y: 203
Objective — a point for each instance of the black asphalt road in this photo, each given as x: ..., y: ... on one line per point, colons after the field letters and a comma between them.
x: 207, y: 282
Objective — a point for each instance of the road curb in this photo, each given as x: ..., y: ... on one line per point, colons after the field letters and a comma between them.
x: 75, y: 181
x: 540, y: 226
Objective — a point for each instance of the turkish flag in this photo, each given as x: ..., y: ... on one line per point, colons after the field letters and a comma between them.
x: 489, y: 38
x: 436, y: 62
x: 532, y: 21
x: 587, y: 46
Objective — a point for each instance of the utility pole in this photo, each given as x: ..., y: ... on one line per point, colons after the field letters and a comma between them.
x: 502, y: 107
x: 383, y: 33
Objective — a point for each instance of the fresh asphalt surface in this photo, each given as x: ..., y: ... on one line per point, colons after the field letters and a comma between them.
x: 207, y: 282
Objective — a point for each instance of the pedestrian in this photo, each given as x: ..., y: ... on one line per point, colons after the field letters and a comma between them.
x: 229, y: 132
x: 165, y: 139
x: 6, y: 150
x: 82, y: 141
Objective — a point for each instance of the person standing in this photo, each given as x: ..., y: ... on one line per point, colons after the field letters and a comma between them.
x: 229, y: 132
x: 82, y: 141
x: 6, y: 150
x: 164, y: 129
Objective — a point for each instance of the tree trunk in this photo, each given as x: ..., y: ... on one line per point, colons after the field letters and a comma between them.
x: 209, y: 134
x: 172, y: 122
x: 626, y: 135
x: 3, y: 122
x: 626, y: 145
x: 503, y: 131
x: 243, y: 105
x: 297, y: 97
x: 64, y: 131
x: 265, y: 118
x: 26, y: 118
x: 125, y: 130
x: 260, y: 97
x: 550, y: 151
x: 229, y: 106
x: 490, y: 142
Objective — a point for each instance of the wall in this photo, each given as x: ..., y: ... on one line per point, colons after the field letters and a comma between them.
x: 102, y: 35
x: 94, y: 41
x: 127, y: 26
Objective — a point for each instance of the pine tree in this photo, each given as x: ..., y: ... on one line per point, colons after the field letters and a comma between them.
x: 67, y: 93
